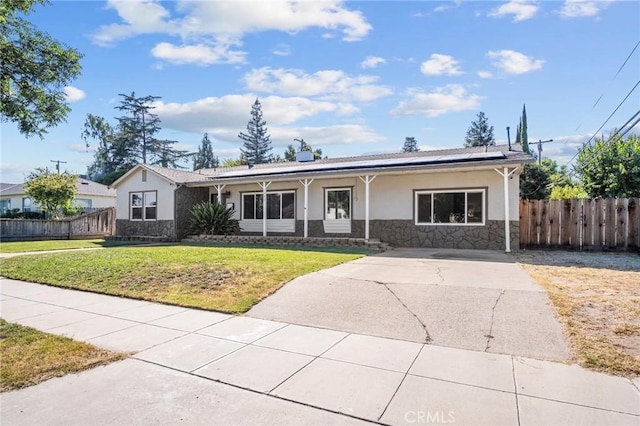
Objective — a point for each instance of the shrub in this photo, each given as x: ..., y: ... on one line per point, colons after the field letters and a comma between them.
x: 213, y: 219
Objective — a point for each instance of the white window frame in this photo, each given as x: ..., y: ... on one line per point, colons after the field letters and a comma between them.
x: 466, y: 191
x: 264, y: 208
x: 143, y: 206
x: 326, y: 202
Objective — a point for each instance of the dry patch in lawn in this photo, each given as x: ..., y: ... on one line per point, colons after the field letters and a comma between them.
x: 30, y: 356
x: 597, y: 297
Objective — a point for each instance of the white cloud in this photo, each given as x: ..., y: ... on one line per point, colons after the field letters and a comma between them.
x: 326, y: 83
x: 512, y: 62
x: 440, y: 64
x: 212, y: 114
x: 372, y: 62
x: 442, y: 100
x: 199, y: 54
x: 282, y: 50
x: 583, y: 8
x: 73, y: 94
x: 484, y: 74
x: 520, y: 9
x: 450, y: 5
x: 209, y: 29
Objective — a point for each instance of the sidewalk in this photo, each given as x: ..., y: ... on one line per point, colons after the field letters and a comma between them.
x: 195, y: 367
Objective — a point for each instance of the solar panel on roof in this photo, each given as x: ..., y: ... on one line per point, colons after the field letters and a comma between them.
x: 387, y: 162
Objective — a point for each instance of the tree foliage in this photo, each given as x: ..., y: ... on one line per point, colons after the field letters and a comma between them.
x: 290, y: 152
x: 204, y: 158
x: 537, y: 180
x: 257, y: 141
x: 51, y: 191
x: 567, y: 192
x: 610, y: 168
x: 479, y: 133
x: 34, y: 70
x: 130, y: 141
x: 410, y: 145
x: 523, y: 132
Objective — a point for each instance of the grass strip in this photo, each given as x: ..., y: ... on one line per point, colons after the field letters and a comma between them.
x: 30, y: 356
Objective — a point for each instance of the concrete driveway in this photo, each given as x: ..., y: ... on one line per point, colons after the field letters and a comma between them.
x: 470, y: 299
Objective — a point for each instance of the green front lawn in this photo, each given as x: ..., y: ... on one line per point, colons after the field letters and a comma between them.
x: 227, y: 279
x: 30, y: 356
x: 25, y: 246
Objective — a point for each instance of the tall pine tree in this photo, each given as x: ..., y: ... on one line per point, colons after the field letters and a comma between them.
x: 480, y: 133
x: 257, y: 142
x: 131, y: 141
x: 410, y: 145
x: 204, y: 158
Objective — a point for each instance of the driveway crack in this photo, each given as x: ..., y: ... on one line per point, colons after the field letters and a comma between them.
x: 427, y: 338
x: 489, y: 335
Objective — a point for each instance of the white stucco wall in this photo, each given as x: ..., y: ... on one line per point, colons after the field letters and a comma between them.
x: 134, y: 183
x: 391, y: 196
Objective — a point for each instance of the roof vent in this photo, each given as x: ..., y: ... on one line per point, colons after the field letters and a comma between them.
x: 304, y: 156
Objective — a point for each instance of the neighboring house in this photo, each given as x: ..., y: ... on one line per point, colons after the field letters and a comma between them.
x: 90, y: 196
x: 448, y: 198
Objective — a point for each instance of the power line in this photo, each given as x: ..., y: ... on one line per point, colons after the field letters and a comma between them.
x: 609, y: 83
x: 606, y: 121
x: 618, y: 134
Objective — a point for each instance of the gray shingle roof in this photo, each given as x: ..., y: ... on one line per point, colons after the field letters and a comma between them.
x: 84, y: 187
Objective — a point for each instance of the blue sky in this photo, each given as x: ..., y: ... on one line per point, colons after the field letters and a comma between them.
x: 350, y: 78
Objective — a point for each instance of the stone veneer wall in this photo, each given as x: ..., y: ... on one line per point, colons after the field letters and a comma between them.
x: 185, y: 199
x: 156, y: 228
x: 404, y: 233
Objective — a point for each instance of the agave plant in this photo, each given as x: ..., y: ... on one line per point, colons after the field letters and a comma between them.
x: 213, y: 219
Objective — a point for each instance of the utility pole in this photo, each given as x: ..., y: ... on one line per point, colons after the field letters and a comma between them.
x: 58, y: 164
x: 540, y: 142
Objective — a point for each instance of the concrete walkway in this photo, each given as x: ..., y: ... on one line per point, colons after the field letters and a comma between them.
x: 197, y: 367
x: 468, y: 299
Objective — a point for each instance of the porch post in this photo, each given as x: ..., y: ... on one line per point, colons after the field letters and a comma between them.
x: 264, y: 186
x: 306, y: 184
x: 219, y: 188
x: 507, y: 229
x: 367, y: 180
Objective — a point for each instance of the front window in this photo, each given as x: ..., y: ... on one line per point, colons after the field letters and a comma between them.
x: 338, y: 203
x: 5, y: 205
x: 143, y: 205
x: 280, y: 205
x: 463, y: 207
x: 84, y: 203
x: 26, y: 204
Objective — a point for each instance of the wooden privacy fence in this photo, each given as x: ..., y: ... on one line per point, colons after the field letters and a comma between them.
x: 600, y: 224
x: 97, y: 224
